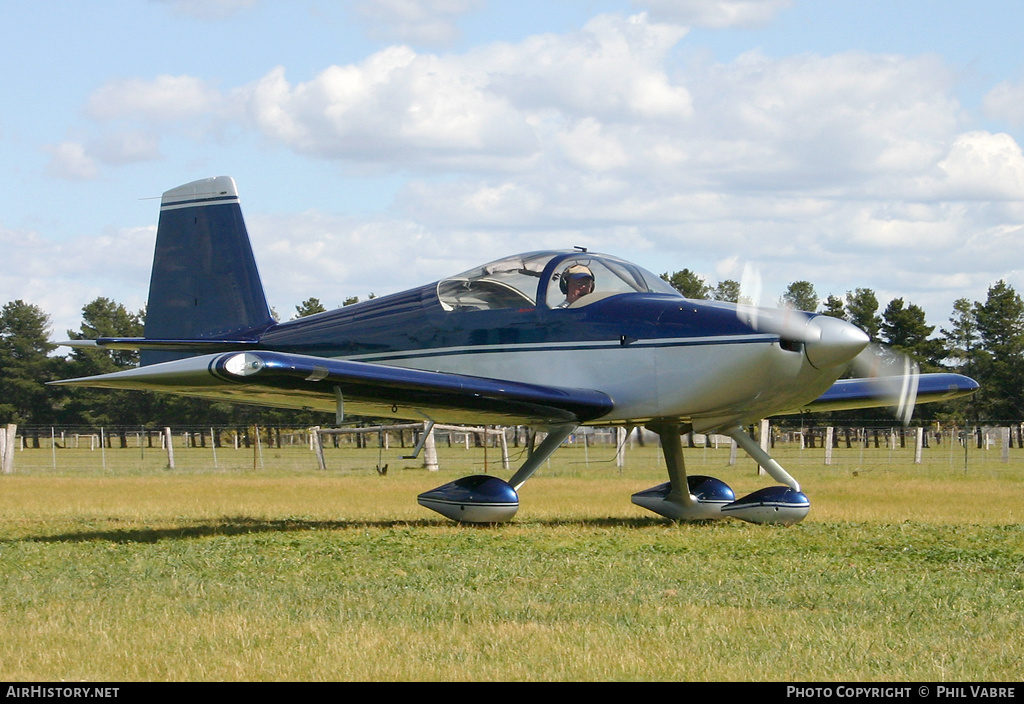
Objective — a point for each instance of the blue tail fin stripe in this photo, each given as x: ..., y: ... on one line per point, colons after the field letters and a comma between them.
x: 213, y: 200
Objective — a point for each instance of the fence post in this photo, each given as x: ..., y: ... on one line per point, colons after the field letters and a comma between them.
x: 620, y: 447
x: 504, y: 449
x: 316, y: 442
x: 765, y: 442
x: 829, y: 434
x: 170, y: 448
x: 918, y: 445
x: 430, y: 448
x: 7, y: 436
x: 257, y: 450
x: 213, y: 446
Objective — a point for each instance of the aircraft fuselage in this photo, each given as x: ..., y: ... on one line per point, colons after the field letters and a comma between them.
x: 655, y: 355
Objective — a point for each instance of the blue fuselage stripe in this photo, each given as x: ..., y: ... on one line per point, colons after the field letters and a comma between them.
x: 564, y: 347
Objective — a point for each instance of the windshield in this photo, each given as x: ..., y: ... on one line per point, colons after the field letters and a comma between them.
x: 515, y: 282
x: 599, y: 276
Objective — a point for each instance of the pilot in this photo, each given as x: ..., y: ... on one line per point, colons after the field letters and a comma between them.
x: 577, y: 281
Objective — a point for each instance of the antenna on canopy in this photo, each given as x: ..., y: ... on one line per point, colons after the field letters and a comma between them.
x: 582, y: 249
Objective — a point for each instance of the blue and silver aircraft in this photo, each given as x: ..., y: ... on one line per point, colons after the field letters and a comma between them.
x: 549, y: 339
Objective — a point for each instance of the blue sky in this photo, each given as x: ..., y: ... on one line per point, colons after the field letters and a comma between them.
x: 381, y: 144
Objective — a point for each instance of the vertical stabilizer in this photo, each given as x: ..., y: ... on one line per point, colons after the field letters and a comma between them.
x: 204, y: 283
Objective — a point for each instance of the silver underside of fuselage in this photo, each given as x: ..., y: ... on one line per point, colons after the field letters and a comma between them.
x: 710, y: 382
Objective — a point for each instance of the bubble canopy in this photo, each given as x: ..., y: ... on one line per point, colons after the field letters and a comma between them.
x: 535, y: 280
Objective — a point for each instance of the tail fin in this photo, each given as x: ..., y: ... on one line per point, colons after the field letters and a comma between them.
x: 204, y: 285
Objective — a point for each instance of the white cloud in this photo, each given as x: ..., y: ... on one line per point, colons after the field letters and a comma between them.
x: 430, y: 22
x: 396, y: 108
x: 717, y: 14
x: 845, y: 162
x: 61, y: 277
x: 69, y: 160
x: 821, y: 121
x: 133, y: 116
x: 613, y: 69
x: 1006, y: 102
x: 128, y: 147
x: 298, y: 256
x: 491, y: 108
x: 165, y: 99
x: 82, y: 161
x: 585, y: 145
x: 861, y: 167
x: 981, y: 166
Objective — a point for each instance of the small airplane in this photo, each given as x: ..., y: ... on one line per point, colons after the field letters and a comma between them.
x: 548, y: 339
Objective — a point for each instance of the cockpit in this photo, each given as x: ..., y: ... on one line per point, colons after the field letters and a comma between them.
x: 542, y: 279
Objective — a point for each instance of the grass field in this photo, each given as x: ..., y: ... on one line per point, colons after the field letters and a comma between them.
x: 134, y: 572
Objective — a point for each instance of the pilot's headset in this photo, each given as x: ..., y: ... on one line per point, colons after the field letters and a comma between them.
x: 575, y: 272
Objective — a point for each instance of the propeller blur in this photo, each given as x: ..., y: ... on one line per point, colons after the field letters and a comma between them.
x: 549, y: 339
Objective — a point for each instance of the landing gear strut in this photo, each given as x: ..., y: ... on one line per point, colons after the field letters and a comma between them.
x: 487, y: 499
x: 698, y: 498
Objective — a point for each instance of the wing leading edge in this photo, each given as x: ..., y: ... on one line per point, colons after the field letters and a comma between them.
x: 850, y: 394
x: 317, y: 383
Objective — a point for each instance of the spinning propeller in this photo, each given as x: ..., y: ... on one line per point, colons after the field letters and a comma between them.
x: 831, y: 342
x: 894, y: 374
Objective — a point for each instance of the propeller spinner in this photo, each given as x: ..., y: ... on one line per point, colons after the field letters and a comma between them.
x: 831, y: 342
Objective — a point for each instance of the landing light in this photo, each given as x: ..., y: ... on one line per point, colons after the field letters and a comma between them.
x: 243, y: 364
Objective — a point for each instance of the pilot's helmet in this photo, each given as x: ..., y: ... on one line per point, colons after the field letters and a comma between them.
x: 575, y: 272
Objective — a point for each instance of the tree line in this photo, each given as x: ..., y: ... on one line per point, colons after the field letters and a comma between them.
x: 984, y: 340
x: 28, y: 361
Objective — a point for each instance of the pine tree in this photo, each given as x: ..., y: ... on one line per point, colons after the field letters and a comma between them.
x: 104, y: 317
x: 862, y: 311
x: 904, y: 328
x: 25, y: 366
x: 801, y: 296
x: 310, y: 306
x: 1000, y: 322
x: 728, y: 291
x: 834, y: 307
x: 962, y: 339
x: 688, y: 283
x: 962, y: 352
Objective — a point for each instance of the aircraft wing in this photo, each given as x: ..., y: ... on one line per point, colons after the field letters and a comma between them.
x: 358, y: 388
x: 849, y: 394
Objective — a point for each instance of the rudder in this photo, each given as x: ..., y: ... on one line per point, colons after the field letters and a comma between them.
x: 204, y: 285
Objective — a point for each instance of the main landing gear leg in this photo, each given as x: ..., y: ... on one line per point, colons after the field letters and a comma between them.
x: 556, y: 436
x: 683, y: 498
x: 486, y: 499
x: 774, y: 504
x: 697, y: 498
x: 763, y: 458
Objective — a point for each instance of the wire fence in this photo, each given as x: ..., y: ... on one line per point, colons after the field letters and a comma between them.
x: 471, y: 450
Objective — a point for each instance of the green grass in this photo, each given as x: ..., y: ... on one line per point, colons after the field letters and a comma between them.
x: 901, y: 572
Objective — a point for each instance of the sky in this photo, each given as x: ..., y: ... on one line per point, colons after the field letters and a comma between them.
x: 383, y: 144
